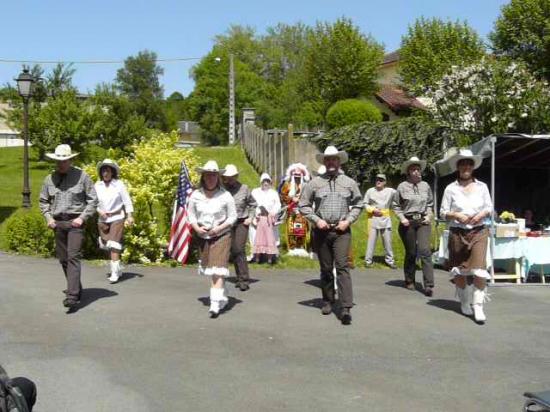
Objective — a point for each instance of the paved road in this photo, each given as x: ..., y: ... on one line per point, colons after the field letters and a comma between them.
x: 147, y: 344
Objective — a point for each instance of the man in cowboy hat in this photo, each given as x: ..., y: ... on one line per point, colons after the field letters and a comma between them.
x: 378, y: 201
x: 246, y: 209
x: 67, y: 200
x: 413, y: 204
x: 332, y: 202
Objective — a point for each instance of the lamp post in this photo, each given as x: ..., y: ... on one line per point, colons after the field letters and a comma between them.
x: 25, y: 83
x: 231, y: 100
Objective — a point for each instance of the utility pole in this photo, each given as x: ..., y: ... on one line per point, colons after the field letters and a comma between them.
x: 231, y: 100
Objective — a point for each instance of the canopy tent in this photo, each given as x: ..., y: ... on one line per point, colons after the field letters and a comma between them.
x: 512, y: 151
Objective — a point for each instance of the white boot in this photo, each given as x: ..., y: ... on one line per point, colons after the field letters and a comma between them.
x: 479, y: 299
x: 115, y: 271
x: 465, y: 296
x: 223, y: 299
x: 214, y: 302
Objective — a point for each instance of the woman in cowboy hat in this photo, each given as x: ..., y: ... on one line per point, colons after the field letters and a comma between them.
x: 114, y: 208
x: 212, y: 213
x: 466, y: 204
x: 413, y: 205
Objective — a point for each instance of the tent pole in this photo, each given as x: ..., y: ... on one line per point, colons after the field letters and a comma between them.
x: 493, y: 231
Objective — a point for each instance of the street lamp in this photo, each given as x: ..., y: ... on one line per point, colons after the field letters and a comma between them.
x: 25, y: 83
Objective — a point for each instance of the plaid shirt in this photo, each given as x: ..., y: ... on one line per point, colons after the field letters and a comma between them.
x: 331, y: 198
x: 413, y: 198
x: 72, y: 193
x: 244, y: 201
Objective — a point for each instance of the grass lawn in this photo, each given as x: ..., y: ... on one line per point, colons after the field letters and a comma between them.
x: 11, y: 182
x: 249, y: 176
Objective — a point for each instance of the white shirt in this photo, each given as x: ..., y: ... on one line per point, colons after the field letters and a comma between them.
x: 268, y: 199
x: 113, y: 198
x: 456, y: 199
x: 379, y: 199
x: 210, y: 212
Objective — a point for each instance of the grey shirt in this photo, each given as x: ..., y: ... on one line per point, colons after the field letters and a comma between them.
x: 413, y: 198
x: 71, y: 193
x: 244, y: 201
x: 335, y: 198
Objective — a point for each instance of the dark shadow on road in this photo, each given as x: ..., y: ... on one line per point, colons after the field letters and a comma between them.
x: 446, y: 304
x: 230, y: 304
x: 129, y: 275
x: 90, y: 295
x: 314, y: 282
x: 233, y: 280
x: 318, y: 303
x: 398, y: 283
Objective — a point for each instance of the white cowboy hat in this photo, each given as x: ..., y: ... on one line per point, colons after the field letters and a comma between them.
x: 464, y: 154
x: 62, y: 152
x: 108, y: 162
x: 413, y: 161
x: 230, y: 170
x: 265, y: 176
x: 210, y: 167
x: 332, y: 151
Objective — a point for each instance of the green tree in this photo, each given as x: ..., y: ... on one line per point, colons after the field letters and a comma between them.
x: 432, y: 47
x: 522, y: 31
x: 341, y: 63
x: 352, y: 111
x: 60, y: 79
x: 115, y: 123
x: 139, y: 80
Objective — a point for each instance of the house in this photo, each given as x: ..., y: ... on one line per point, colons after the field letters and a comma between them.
x: 8, y: 136
x: 392, y: 100
x: 190, y: 133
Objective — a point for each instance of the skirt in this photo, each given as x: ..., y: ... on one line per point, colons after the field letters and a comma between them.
x: 111, y: 234
x: 214, y: 255
x: 468, y: 251
x: 264, y: 241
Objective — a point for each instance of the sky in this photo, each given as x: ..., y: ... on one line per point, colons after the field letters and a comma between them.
x: 69, y: 30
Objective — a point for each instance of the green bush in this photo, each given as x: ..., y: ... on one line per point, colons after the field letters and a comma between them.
x: 27, y: 233
x: 382, y: 147
x: 352, y: 111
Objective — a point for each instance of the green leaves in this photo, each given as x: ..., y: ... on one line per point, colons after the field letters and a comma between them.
x: 432, y: 47
x: 352, y: 111
x: 523, y: 32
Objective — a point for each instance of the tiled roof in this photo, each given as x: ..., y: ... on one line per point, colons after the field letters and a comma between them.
x: 397, y: 99
x: 391, y: 57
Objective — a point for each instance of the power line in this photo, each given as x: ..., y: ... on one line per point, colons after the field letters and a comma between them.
x: 177, y: 59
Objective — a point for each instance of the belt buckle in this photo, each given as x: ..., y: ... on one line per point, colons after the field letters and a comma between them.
x: 416, y: 216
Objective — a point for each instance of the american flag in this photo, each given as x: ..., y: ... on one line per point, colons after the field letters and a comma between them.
x: 180, y: 232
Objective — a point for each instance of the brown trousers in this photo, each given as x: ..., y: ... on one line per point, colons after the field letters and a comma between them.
x: 333, y: 250
x: 68, y: 249
x: 239, y: 236
x: 416, y: 239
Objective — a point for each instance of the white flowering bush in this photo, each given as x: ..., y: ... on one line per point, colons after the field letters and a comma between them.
x: 493, y: 96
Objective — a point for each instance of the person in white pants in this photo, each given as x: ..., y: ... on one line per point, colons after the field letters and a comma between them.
x: 377, y: 202
x: 467, y: 204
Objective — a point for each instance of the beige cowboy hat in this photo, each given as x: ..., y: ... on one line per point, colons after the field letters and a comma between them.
x: 464, y: 154
x: 381, y: 176
x: 230, y: 171
x: 210, y: 166
x: 413, y: 161
x: 332, y: 151
x: 108, y: 162
x: 62, y: 152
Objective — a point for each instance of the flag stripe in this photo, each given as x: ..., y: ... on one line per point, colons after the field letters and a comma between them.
x: 180, y: 230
